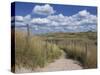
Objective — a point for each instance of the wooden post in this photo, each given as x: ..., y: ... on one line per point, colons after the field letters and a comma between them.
x: 27, y: 38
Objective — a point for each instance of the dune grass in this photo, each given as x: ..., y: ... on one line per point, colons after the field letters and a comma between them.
x: 78, y: 46
x: 86, y: 53
x: 36, y: 53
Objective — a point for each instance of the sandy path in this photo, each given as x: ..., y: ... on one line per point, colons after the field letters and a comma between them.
x: 61, y: 65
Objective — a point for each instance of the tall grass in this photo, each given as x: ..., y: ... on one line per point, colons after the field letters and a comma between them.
x: 84, y: 51
x: 36, y: 53
x: 78, y: 46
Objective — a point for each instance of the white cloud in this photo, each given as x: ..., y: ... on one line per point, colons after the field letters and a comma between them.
x: 43, y: 9
x: 27, y: 19
x: 84, y: 13
x: 40, y: 21
x: 81, y: 21
x: 18, y: 18
x: 59, y: 17
x: 83, y: 17
x: 53, y: 23
x: 19, y: 24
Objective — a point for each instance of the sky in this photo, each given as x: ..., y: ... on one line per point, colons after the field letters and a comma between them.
x: 44, y: 18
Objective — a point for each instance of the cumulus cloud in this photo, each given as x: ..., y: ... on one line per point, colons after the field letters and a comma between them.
x: 81, y: 21
x: 19, y: 24
x: 84, y: 13
x: 27, y: 19
x: 59, y: 17
x: 21, y: 20
x: 40, y: 21
x: 17, y: 18
x: 43, y: 9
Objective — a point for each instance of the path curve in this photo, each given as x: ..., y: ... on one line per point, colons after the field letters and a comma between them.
x: 61, y: 64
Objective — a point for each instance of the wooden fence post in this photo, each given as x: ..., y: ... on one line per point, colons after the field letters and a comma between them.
x: 27, y: 38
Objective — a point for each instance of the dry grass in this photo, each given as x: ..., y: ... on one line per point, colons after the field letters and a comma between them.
x: 34, y: 54
x: 78, y: 46
x: 85, y: 52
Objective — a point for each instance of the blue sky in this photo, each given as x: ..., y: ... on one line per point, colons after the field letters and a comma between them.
x: 56, y: 18
x: 23, y: 8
